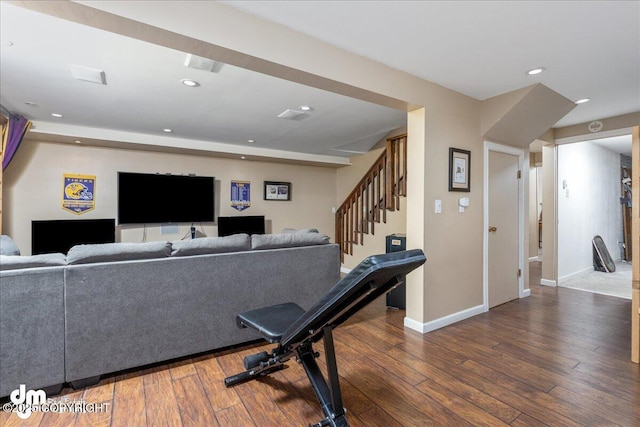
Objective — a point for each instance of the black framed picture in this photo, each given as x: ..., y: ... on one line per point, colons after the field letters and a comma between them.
x: 274, y: 190
x: 459, y: 170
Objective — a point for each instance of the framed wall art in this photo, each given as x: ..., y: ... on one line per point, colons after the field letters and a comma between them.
x: 459, y: 170
x: 274, y: 190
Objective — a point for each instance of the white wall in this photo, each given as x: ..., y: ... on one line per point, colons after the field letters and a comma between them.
x: 33, y: 188
x: 588, y: 206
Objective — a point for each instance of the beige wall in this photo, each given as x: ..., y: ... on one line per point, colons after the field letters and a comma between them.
x: 549, y: 216
x: 535, y: 199
x: 33, y: 188
x: 452, y: 240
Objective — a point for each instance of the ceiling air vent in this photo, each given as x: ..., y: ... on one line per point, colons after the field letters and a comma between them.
x: 88, y: 74
x: 292, y: 114
x: 200, y: 63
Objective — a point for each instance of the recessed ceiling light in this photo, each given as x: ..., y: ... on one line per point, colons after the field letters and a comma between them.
x: 305, y: 108
x: 167, y: 130
x: 535, y: 71
x: 583, y: 100
x: 251, y: 141
x: 30, y: 103
x: 190, y: 83
x: 242, y: 157
x: 56, y: 115
x: 77, y: 141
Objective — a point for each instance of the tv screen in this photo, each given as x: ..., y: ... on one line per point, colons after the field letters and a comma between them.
x: 154, y: 198
x: 60, y: 235
x: 229, y: 225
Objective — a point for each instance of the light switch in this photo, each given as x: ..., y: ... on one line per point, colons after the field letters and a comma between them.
x: 438, y: 206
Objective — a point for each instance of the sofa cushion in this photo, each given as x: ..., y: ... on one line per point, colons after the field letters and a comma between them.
x: 287, y: 240
x: 212, y: 245
x: 110, y: 252
x: 8, y: 246
x: 14, y: 262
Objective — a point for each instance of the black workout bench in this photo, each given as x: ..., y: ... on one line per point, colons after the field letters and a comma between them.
x: 295, y: 330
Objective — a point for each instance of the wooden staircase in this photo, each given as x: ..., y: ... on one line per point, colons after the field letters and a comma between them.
x: 378, y: 191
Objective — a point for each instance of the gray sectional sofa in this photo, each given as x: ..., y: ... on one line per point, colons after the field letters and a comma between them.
x: 106, y: 308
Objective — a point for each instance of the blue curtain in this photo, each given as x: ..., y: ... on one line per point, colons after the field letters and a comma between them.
x: 12, y: 134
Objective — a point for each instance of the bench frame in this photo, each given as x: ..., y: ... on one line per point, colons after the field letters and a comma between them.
x: 373, y: 277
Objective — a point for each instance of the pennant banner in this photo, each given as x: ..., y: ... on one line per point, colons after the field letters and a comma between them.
x: 78, y: 195
x: 240, y: 195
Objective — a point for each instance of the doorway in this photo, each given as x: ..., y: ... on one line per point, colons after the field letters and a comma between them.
x: 591, y: 201
x: 504, y: 225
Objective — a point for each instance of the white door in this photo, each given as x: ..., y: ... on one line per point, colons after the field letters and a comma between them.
x: 503, y: 236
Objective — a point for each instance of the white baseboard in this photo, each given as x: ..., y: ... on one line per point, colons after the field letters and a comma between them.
x: 572, y: 275
x: 345, y: 270
x: 423, y: 328
x: 546, y: 282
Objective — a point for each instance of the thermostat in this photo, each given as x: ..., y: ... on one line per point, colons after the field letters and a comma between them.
x: 463, y: 202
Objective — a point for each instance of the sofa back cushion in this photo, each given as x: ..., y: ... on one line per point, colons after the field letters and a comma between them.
x: 110, y: 252
x: 287, y: 240
x: 14, y: 262
x: 212, y: 245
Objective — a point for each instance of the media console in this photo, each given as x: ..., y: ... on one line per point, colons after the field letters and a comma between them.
x: 60, y: 235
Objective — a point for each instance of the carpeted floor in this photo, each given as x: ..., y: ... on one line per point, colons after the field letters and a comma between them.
x: 617, y: 284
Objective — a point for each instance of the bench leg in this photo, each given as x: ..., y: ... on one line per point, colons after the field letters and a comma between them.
x: 328, y: 395
x: 259, y: 365
x: 251, y: 374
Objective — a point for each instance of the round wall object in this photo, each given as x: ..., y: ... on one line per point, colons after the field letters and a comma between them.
x: 595, y: 126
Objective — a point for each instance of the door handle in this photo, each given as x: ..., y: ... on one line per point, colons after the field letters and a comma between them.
x: 493, y: 229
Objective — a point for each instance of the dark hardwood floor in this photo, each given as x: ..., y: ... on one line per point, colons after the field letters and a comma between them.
x: 559, y: 358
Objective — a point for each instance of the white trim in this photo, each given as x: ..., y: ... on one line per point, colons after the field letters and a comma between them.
x: 160, y: 142
x: 492, y: 146
x: 534, y: 258
x: 423, y: 328
x: 547, y: 282
x: 345, y: 270
x: 525, y: 293
x: 592, y: 136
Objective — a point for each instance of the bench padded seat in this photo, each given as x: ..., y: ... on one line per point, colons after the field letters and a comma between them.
x: 271, y: 322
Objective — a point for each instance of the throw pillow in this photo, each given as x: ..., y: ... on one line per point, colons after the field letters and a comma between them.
x: 302, y: 230
x: 8, y: 246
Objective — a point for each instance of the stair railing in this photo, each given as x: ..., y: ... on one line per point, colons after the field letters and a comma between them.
x: 377, y: 192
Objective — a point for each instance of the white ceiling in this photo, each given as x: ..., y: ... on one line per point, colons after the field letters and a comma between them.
x: 482, y: 49
x: 590, y: 49
x: 619, y: 144
x: 144, y: 94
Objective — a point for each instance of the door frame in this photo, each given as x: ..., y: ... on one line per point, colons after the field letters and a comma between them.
x: 492, y: 146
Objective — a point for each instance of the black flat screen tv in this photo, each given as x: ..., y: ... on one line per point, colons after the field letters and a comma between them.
x: 155, y: 198
x: 229, y: 225
x: 60, y: 235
